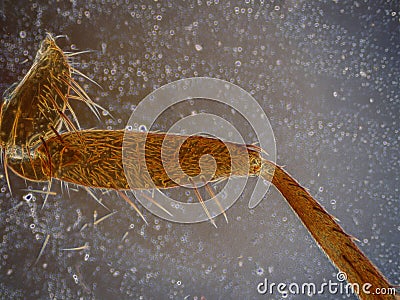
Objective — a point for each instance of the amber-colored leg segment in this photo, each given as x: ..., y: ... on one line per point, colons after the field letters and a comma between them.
x: 337, y: 245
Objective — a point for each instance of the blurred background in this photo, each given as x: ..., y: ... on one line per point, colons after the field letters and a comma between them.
x: 325, y: 72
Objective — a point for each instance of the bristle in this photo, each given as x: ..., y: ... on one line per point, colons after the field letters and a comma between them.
x: 126, y: 198
x: 87, y: 98
x: 48, y: 156
x: 156, y: 204
x: 85, y: 76
x: 50, y: 169
x: 6, y: 172
x: 42, y: 249
x: 31, y: 161
x: 103, y: 218
x: 65, y: 100
x: 57, y: 134
x: 202, y: 202
x: 63, y: 115
x: 60, y: 36
x: 95, y: 198
x: 70, y: 54
x: 83, y: 97
x: 212, y: 194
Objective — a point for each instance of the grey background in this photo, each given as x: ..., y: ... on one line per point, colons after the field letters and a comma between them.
x: 325, y: 72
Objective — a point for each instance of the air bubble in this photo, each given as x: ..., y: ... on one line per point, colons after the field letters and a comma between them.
x: 27, y: 197
x: 75, y: 277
